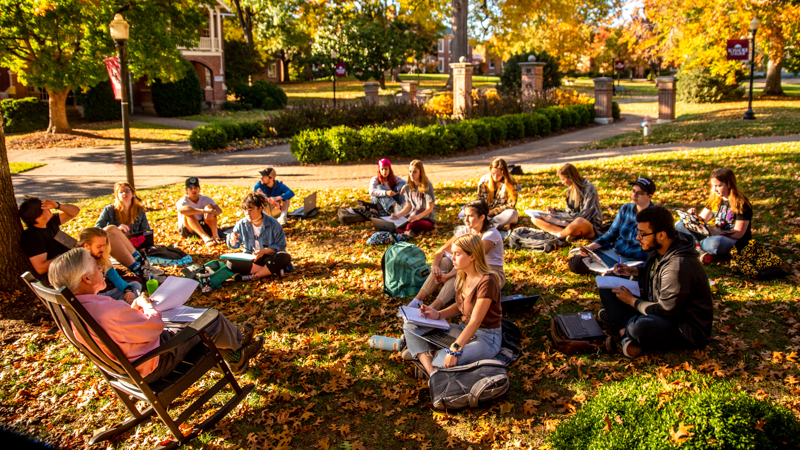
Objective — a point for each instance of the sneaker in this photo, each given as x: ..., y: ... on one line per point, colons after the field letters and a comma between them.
x: 630, y: 349
x: 282, y: 219
x: 411, y: 234
x: 153, y: 270
x: 602, y: 317
x: 146, y: 273
x: 570, y: 239
x: 248, y: 331
x: 247, y: 277
x: 706, y: 258
x: 248, y: 352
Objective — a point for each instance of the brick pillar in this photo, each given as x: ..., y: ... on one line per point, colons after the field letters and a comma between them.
x: 462, y: 86
x: 603, y: 90
x: 532, y: 77
x: 666, y: 98
x: 409, y: 91
x: 371, y: 93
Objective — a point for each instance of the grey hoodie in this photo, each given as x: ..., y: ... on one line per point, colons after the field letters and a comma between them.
x: 680, y: 291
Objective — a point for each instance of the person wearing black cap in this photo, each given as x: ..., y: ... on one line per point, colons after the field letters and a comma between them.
x: 197, y: 214
x: 278, y: 194
x: 620, y: 239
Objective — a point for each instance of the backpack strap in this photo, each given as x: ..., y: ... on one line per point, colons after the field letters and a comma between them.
x: 477, y: 389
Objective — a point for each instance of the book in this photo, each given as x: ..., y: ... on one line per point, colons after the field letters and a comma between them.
x: 413, y: 316
x: 616, y: 282
x: 239, y: 256
x: 182, y: 314
x: 173, y: 293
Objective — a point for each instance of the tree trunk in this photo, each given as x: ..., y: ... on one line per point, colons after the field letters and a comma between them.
x: 244, y: 22
x: 284, y: 67
x: 459, y: 46
x: 773, y: 84
x: 58, y: 112
x: 396, y: 75
x: 13, y: 263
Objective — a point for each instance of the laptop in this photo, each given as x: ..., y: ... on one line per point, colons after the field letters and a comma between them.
x: 435, y: 336
x: 693, y: 223
x: 578, y: 326
x: 518, y: 301
x: 142, y: 239
x: 384, y: 225
x: 309, y: 208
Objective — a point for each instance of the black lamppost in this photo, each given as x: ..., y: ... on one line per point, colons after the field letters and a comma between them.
x: 334, y: 56
x: 749, y: 115
x: 613, y: 72
x: 119, y: 32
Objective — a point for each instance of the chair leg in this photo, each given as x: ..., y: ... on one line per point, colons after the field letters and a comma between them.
x: 121, y: 428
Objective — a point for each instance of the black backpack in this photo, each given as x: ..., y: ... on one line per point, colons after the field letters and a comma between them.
x: 469, y: 385
x: 538, y: 241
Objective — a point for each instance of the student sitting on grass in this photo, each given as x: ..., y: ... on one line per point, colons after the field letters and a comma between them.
x: 197, y: 215
x: 733, y: 219
x: 420, y: 201
x: 261, y: 236
x: 96, y: 241
x: 137, y: 329
x: 478, y: 223
x: 278, y: 194
x: 477, y: 304
x: 384, y: 188
x: 621, y: 237
x: 674, y: 308
x: 583, y: 208
x: 500, y: 191
x: 126, y: 213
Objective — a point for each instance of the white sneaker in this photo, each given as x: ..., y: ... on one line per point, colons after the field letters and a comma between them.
x: 282, y: 219
x: 153, y: 270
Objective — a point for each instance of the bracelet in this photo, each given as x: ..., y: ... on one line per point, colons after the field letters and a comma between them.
x: 58, y: 205
x: 439, y: 315
x: 452, y: 353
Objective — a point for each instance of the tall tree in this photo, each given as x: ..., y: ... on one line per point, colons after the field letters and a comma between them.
x: 60, y: 46
x: 459, y: 45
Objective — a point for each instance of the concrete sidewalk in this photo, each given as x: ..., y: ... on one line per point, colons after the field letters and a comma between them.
x: 172, y: 122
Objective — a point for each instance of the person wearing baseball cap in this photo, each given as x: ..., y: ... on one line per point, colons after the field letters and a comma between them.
x: 621, y: 242
x: 385, y: 187
x: 278, y: 194
x: 197, y: 214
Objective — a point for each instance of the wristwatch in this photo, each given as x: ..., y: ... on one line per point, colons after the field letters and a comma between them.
x: 455, y: 347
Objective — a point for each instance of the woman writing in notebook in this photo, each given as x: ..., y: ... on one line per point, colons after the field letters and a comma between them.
x: 420, y: 202
x: 583, y: 217
x: 478, y: 223
x: 478, y: 305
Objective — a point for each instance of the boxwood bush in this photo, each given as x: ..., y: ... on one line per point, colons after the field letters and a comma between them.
x: 208, y: 138
x: 645, y: 412
x: 542, y: 124
x: 343, y: 144
x: 515, y: 128
x: 482, y: 130
x: 182, y: 97
x: 467, y: 137
x: 374, y: 141
x: 99, y: 103
x: 310, y: 146
x: 262, y: 94
x: 24, y: 115
x: 554, y: 117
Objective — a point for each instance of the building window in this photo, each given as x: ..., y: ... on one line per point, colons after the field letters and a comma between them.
x: 209, y: 79
x: 441, y: 65
x: 491, y: 64
x: 205, y: 32
x: 441, y: 46
x: 272, y: 70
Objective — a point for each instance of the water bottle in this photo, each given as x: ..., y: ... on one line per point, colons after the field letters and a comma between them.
x: 387, y: 343
x: 152, y: 285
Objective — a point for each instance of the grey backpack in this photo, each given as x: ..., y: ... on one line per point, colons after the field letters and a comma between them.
x: 468, y: 386
x: 538, y: 241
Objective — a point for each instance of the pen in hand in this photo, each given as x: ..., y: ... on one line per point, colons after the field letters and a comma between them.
x: 619, y: 263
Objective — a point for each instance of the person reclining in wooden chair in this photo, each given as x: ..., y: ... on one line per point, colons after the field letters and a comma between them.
x: 138, y: 328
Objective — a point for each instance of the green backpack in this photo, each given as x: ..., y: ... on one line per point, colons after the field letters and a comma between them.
x: 404, y: 270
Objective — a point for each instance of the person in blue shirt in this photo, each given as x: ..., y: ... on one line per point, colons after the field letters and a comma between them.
x: 278, y: 194
x: 96, y: 241
x: 620, y: 239
x: 261, y: 236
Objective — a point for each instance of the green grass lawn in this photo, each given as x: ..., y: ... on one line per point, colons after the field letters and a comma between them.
x: 19, y: 167
x: 710, y: 121
x: 232, y: 116
x: 319, y: 385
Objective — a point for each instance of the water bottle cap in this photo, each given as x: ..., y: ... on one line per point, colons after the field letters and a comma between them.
x: 151, y: 277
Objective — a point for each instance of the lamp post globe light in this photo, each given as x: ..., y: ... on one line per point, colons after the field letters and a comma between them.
x: 119, y: 32
x: 334, y: 55
x: 754, y: 24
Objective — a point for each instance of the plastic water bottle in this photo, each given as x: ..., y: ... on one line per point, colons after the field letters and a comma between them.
x: 152, y: 285
x: 387, y: 343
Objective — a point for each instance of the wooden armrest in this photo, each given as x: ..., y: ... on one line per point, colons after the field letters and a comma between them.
x: 191, y: 330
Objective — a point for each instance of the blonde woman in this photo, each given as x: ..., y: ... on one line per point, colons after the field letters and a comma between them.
x: 583, y: 213
x: 500, y: 191
x: 732, y: 219
x: 127, y: 213
x: 96, y: 241
x: 420, y: 202
x: 477, y: 304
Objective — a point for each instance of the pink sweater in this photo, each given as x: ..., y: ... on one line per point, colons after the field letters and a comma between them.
x: 134, y: 331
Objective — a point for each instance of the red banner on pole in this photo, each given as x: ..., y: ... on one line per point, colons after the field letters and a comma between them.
x: 341, y: 69
x: 112, y: 64
x: 738, y: 50
x: 619, y: 65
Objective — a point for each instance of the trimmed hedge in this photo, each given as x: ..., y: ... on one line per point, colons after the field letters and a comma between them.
x: 183, y: 97
x: 262, y: 94
x: 341, y: 144
x: 218, y: 135
x: 24, y: 115
x: 99, y: 103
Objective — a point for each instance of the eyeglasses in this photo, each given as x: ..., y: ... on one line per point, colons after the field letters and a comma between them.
x: 641, y: 236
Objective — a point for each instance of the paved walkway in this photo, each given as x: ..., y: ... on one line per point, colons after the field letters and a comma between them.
x: 72, y: 174
x: 172, y: 122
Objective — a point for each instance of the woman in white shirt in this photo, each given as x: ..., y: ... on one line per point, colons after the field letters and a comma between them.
x: 478, y: 222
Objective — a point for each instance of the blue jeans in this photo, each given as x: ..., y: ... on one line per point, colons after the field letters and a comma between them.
x: 649, y: 331
x: 486, y: 345
x: 387, y: 203
x: 116, y: 294
x: 716, y: 245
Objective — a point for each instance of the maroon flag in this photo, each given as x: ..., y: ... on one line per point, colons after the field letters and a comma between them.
x: 341, y: 69
x: 619, y: 65
x: 112, y: 64
x: 738, y: 49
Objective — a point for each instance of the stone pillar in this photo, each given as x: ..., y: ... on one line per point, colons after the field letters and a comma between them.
x: 462, y: 86
x: 532, y: 77
x: 603, y: 90
x: 409, y: 91
x: 371, y: 93
x: 666, y: 98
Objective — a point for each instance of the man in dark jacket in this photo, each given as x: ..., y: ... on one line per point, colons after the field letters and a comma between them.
x: 674, y: 309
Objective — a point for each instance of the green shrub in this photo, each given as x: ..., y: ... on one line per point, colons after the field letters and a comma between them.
x: 590, y: 108
x: 409, y: 141
x: 542, y: 124
x: 616, y: 113
x: 231, y: 129
x: 554, y: 117
x: 483, y: 132
x: 530, y: 124
x: 515, y: 128
x: 208, y: 137
x: 249, y: 130
x: 564, y: 115
x: 310, y: 146
x: 641, y: 412
x: 24, y: 115
x: 236, y: 106
x: 581, y: 114
x: 344, y: 144
x: 99, y: 103
x: 511, y: 77
x: 698, y: 85
x: 183, y: 97
x: 467, y: 138
x: 376, y: 142
x: 440, y: 140
x: 262, y: 94
x: 499, y: 132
